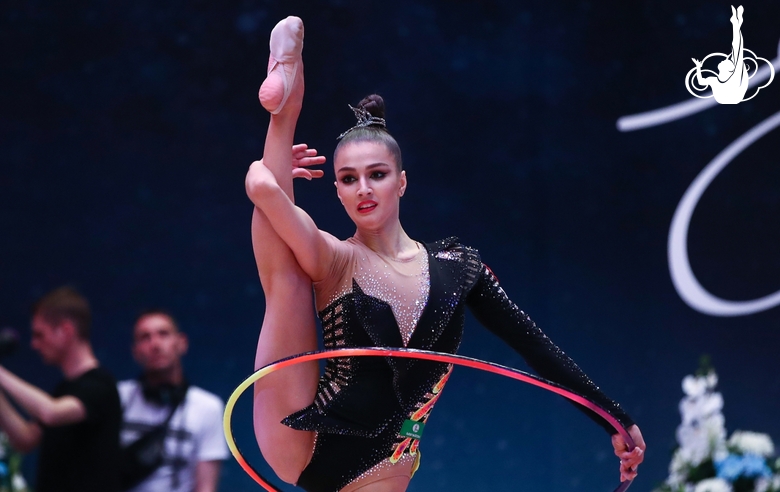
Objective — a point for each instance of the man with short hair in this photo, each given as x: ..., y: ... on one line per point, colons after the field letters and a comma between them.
x: 77, y: 426
x: 194, y: 442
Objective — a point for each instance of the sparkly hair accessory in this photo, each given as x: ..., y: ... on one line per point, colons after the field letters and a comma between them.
x: 364, y: 119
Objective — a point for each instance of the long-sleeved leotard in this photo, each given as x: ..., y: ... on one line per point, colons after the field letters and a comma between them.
x: 363, y: 403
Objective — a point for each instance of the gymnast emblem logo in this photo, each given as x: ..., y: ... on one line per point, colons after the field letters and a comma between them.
x: 685, y: 282
x: 416, y: 428
x: 730, y: 84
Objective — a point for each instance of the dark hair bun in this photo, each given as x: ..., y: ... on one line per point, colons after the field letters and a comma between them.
x: 374, y: 104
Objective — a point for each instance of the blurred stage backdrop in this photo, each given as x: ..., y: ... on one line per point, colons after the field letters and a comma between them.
x: 127, y: 128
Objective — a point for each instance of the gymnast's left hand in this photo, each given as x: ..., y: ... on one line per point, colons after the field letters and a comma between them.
x: 629, y: 460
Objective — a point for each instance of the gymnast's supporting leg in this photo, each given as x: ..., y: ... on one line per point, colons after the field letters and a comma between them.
x: 288, y: 325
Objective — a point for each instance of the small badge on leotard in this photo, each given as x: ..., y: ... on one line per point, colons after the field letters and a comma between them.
x: 412, y: 429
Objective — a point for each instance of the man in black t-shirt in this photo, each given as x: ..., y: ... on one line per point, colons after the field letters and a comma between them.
x: 77, y: 426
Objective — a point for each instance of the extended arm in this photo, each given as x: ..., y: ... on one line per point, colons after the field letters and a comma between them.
x: 40, y: 405
x: 704, y: 82
x: 312, y: 248
x: 23, y: 434
x: 207, y: 475
x: 275, y: 260
x: 494, y: 310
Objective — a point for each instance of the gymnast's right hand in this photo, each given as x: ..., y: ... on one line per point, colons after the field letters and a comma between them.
x: 303, y: 156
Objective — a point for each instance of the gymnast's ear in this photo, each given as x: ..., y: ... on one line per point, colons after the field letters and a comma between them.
x: 403, y: 183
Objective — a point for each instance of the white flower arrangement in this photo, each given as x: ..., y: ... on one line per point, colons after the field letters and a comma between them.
x: 705, y: 461
x: 713, y: 485
x: 752, y: 442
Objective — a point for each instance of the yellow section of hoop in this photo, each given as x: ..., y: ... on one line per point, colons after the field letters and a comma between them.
x: 227, y: 417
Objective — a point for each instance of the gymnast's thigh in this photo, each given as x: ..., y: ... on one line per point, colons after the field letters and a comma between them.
x: 339, y: 459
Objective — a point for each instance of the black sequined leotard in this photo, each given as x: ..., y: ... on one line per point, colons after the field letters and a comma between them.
x: 362, y: 403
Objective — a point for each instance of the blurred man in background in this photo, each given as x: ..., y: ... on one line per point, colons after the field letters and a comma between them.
x: 161, y: 401
x: 77, y: 426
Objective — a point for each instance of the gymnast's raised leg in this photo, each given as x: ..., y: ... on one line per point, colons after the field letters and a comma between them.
x: 288, y: 325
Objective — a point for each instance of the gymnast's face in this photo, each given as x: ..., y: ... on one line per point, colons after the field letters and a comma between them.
x: 369, y: 184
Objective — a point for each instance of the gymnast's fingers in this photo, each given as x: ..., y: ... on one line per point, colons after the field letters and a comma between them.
x: 298, y: 148
x: 301, y: 173
x: 310, y: 161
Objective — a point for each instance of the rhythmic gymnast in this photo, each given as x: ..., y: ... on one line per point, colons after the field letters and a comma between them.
x: 731, y: 84
x: 348, y: 430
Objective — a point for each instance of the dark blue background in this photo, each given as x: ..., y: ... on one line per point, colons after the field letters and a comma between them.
x: 127, y: 128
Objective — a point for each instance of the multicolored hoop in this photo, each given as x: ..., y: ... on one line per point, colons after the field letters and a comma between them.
x: 405, y: 353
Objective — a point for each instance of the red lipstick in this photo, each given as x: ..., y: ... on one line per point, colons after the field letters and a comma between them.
x: 366, y: 206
